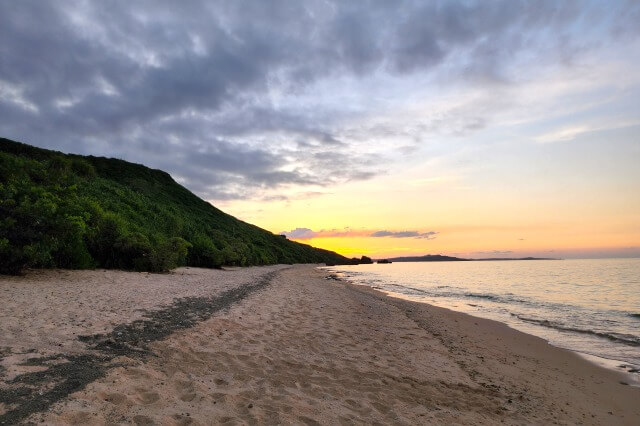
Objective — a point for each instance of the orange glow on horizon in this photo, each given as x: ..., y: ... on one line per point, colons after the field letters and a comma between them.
x: 469, y: 221
x: 372, y: 247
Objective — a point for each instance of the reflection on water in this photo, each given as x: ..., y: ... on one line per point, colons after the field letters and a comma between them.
x: 588, y: 305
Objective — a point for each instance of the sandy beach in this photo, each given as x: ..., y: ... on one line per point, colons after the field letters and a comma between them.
x: 276, y: 345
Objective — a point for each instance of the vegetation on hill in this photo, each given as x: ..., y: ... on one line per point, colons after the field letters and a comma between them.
x: 71, y: 211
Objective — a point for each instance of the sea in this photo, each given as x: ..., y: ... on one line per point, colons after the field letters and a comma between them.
x: 591, y: 306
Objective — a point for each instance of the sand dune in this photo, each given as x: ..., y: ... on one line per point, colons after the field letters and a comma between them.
x: 310, y: 350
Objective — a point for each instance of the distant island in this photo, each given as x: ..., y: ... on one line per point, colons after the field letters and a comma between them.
x: 516, y: 258
x: 427, y: 258
x: 442, y: 258
x: 365, y: 260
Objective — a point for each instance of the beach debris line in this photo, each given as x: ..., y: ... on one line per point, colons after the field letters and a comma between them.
x: 35, y: 392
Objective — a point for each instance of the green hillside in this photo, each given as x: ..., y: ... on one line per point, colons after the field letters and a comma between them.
x: 71, y: 211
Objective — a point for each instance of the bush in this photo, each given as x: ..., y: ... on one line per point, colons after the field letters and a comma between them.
x: 179, y: 249
x: 107, y: 230
x: 71, y: 250
x: 133, y: 251
x: 83, y: 168
x: 230, y: 257
x: 169, y: 254
x: 59, y: 164
x: 203, y: 253
x: 12, y: 259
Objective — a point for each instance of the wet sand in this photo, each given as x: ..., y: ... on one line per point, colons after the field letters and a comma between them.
x: 283, y: 345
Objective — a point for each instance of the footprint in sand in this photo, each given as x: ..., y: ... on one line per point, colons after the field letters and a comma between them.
x: 182, y: 419
x: 188, y: 397
x: 381, y: 408
x: 113, y: 397
x: 221, y: 382
x: 136, y: 373
x: 140, y: 420
x: 308, y: 421
x: 219, y: 397
x: 79, y: 418
x: 186, y: 390
x: 146, y: 397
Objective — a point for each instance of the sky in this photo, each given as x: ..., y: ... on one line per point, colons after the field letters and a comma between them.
x: 380, y: 128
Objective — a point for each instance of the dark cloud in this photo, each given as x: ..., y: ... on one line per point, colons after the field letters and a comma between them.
x: 221, y: 94
x: 405, y: 234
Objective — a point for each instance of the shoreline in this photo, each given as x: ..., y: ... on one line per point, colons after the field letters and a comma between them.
x: 576, y: 306
x: 613, y: 365
x: 304, y: 349
x: 602, y: 368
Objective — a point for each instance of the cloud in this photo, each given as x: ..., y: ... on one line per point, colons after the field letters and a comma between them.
x: 405, y: 234
x: 300, y: 234
x: 566, y: 134
x: 239, y: 98
x: 306, y: 233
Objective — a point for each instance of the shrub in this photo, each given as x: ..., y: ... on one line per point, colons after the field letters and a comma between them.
x: 133, y: 251
x: 12, y: 259
x: 203, y: 253
x: 169, y: 254
x: 179, y: 249
x: 59, y: 164
x: 83, y: 168
x: 101, y: 241
x: 70, y: 250
x: 229, y: 256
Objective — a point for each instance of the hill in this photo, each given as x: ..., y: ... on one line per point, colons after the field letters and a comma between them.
x: 73, y: 211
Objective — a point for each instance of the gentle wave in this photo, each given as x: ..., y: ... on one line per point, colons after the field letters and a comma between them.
x: 586, y: 305
x: 616, y: 337
x: 506, y: 299
x: 483, y: 296
x: 452, y: 294
x: 625, y: 339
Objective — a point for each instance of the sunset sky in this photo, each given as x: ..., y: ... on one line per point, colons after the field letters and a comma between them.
x: 478, y: 129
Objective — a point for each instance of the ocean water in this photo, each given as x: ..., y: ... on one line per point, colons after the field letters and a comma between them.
x: 591, y: 306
